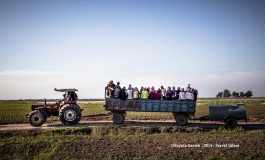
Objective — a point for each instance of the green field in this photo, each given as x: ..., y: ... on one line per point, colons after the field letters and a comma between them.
x: 15, y: 111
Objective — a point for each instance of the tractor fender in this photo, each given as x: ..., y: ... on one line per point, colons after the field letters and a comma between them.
x: 44, y: 113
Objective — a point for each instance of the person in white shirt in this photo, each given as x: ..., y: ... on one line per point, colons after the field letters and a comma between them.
x: 182, y: 95
x: 189, y: 95
x: 163, y: 93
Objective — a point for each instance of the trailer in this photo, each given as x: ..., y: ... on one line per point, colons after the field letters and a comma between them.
x: 229, y: 114
x: 181, y: 110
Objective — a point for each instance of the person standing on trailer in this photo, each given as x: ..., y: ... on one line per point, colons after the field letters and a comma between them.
x: 117, y: 90
x: 169, y: 93
x: 122, y: 94
x: 142, y: 88
x: 158, y: 93
x: 129, y: 92
x: 182, y: 95
x: 188, y: 87
x: 189, y: 95
x: 195, y: 94
x: 110, y: 85
x: 174, y: 93
x: 144, y: 94
x: 163, y: 93
x: 177, y: 92
x: 152, y: 93
x: 136, y: 93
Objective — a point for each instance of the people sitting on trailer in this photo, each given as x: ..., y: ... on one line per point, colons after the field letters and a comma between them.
x: 158, y: 93
x: 195, y: 94
x: 136, y: 93
x: 122, y: 94
x: 152, y: 93
x: 182, y: 95
x: 144, y: 94
x: 169, y: 94
x: 163, y: 93
x: 189, y: 95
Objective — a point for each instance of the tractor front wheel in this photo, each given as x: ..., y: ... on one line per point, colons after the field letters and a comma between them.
x: 70, y: 114
x: 36, y: 118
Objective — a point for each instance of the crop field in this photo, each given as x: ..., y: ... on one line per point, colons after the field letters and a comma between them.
x: 115, y: 142
x: 15, y: 111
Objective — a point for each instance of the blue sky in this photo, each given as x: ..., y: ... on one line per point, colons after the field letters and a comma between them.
x: 213, y: 45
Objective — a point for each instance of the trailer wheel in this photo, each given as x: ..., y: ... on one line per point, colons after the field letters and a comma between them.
x: 70, y: 114
x: 231, y: 122
x: 36, y: 118
x: 118, y: 118
x: 181, y: 120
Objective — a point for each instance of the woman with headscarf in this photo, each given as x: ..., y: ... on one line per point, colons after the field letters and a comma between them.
x: 152, y: 93
x: 169, y: 93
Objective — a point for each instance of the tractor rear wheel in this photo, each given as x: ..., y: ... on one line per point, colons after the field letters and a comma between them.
x: 36, y: 118
x: 70, y: 114
x: 181, y: 120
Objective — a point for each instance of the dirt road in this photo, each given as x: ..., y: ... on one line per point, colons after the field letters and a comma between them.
x: 208, y: 125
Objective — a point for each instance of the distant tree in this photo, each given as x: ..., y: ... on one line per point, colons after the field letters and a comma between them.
x: 220, y: 94
x: 248, y: 93
x: 242, y: 94
x: 235, y: 94
x: 226, y: 93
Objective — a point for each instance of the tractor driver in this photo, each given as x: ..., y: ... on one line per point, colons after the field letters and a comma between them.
x: 68, y: 97
x: 73, y: 96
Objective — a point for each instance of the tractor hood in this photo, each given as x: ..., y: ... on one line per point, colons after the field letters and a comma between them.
x: 66, y: 89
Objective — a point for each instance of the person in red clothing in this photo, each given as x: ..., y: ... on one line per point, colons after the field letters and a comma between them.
x: 158, y: 93
x: 152, y: 94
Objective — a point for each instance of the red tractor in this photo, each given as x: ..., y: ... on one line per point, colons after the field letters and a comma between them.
x: 69, y: 113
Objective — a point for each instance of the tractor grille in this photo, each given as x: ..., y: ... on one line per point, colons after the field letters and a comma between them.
x: 116, y: 105
x: 108, y: 104
x: 130, y: 105
x: 137, y: 106
x: 123, y: 105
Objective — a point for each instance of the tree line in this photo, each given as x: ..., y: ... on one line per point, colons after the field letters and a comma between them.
x: 235, y: 94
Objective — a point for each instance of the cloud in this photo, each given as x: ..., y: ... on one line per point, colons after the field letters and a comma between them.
x: 25, y: 73
x: 150, y: 70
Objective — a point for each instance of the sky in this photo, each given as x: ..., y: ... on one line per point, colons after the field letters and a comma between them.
x: 212, y: 45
